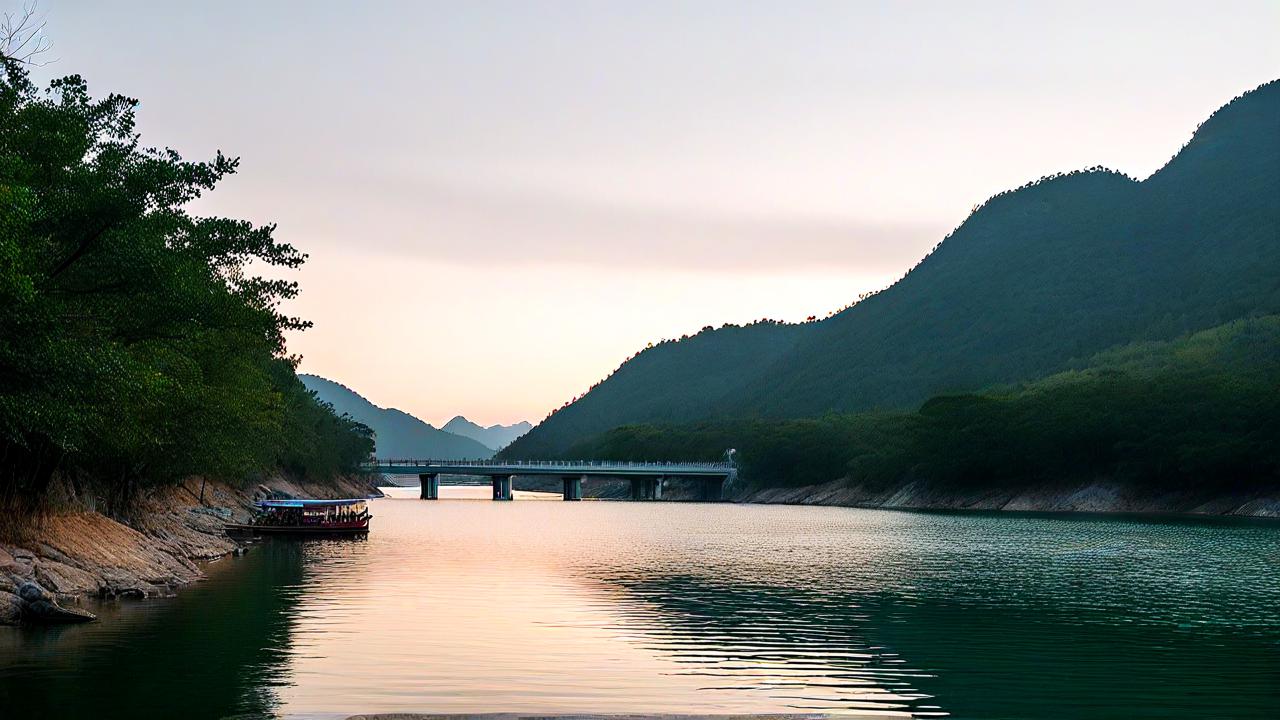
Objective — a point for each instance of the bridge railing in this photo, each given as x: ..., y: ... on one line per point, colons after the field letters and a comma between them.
x: 417, y: 462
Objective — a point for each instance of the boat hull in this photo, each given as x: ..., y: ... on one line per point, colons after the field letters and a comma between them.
x: 324, y: 530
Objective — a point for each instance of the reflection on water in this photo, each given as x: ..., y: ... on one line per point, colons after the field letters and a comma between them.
x: 547, y: 607
x: 217, y: 651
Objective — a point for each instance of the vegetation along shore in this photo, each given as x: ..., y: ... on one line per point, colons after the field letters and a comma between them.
x: 138, y: 350
x: 1088, y: 341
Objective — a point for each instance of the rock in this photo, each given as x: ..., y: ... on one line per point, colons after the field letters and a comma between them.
x: 79, y: 554
x: 220, y: 513
x: 65, y: 579
x: 55, y: 554
x: 31, y: 592
x: 38, y: 605
x: 11, y: 566
x: 16, y: 569
x: 119, y: 584
x: 10, y: 609
x: 53, y: 613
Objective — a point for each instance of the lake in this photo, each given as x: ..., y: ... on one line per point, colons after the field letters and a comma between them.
x: 541, y: 606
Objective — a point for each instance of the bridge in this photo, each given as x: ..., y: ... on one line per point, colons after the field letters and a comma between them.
x: 647, y: 478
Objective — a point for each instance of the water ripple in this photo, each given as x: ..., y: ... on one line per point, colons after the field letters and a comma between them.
x: 549, y: 607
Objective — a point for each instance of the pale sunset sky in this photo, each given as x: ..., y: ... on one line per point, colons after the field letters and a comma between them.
x: 503, y: 200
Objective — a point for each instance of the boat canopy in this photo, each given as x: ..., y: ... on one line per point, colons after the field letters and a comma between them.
x: 308, y: 503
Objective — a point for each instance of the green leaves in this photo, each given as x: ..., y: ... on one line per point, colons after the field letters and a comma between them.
x: 1193, y: 415
x: 136, y: 345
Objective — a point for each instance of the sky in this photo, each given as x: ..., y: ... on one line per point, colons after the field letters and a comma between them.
x: 502, y: 201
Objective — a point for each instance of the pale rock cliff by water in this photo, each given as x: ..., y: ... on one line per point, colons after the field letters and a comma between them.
x: 1090, y: 496
x: 70, y: 556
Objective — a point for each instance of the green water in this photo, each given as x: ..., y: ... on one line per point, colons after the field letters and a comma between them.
x: 551, y: 607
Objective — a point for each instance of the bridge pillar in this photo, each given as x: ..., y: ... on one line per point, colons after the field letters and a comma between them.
x: 430, y: 483
x: 712, y: 490
x: 573, y: 487
x: 646, y: 488
x: 502, y: 487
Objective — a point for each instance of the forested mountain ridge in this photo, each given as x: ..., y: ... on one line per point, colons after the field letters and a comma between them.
x: 397, y: 434
x: 1056, y: 270
x: 707, y: 367
x: 1191, y: 417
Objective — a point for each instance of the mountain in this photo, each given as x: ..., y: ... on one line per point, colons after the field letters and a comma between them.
x: 1054, y: 271
x: 1186, y: 425
x: 398, y: 434
x: 494, y: 436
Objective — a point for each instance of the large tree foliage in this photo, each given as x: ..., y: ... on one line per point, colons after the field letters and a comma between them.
x: 136, y: 345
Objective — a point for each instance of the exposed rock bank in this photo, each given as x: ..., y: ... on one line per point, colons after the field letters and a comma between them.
x: 75, y: 555
x: 592, y: 716
x: 1094, y: 496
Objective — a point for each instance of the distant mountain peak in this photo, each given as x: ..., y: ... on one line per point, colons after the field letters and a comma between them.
x: 460, y: 421
x: 494, y: 436
x: 397, y: 433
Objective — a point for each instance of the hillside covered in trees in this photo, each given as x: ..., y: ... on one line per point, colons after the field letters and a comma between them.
x: 1034, y: 281
x: 1198, y: 413
x: 137, y: 346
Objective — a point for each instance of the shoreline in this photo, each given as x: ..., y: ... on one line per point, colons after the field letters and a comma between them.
x: 589, y: 716
x: 1092, y: 497
x: 83, y: 555
x: 1095, y: 497
x: 80, y: 555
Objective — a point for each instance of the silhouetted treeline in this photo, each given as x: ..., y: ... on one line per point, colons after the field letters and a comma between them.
x: 1200, y: 412
x: 1056, y: 270
x: 136, y: 345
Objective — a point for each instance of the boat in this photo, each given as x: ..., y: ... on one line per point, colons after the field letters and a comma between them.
x: 306, y: 517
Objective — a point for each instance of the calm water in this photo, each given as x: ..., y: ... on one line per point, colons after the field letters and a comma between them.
x: 545, y: 606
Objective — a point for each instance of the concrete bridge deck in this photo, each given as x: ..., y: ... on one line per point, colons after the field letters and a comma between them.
x: 647, y: 478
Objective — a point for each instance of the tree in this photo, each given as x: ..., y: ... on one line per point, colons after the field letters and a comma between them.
x: 136, y: 346
x: 22, y: 37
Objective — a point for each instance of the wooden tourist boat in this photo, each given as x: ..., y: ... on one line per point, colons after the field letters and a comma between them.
x: 307, y: 517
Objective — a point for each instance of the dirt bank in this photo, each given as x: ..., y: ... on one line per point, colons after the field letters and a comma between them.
x: 75, y: 555
x: 1092, y: 496
x: 592, y: 716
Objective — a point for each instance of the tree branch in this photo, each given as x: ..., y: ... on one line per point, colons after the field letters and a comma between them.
x: 22, y: 37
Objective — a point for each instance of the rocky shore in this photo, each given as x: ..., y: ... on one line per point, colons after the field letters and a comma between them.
x: 1098, y: 496
x: 70, y: 556
x: 1093, y: 496
x: 591, y: 716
